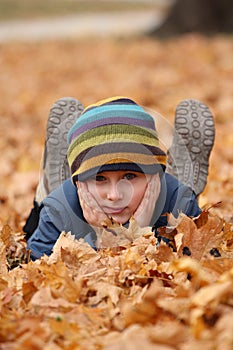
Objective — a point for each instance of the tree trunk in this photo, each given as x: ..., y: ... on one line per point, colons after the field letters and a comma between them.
x: 204, y: 16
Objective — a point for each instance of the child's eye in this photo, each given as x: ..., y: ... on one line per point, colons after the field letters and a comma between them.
x: 100, y: 178
x: 129, y: 176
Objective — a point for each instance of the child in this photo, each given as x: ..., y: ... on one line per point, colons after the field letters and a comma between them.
x: 117, y: 170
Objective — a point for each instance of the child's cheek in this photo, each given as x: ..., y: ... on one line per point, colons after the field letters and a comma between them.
x: 95, y: 190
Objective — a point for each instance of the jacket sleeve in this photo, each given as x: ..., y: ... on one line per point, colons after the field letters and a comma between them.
x: 178, y: 198
x: 44, y: 237
x: 55, y: 217
x: 184, y: 200
x: 60, y: 212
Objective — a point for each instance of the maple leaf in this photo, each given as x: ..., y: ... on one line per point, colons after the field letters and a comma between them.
x: 3, y: 259
x: 193, y: 268
x: 137, y: 337
x: 5, y: 235
x: 58, y: 277
x: 115, y: 234
x: 196, y: 241
x: 44, y: 298
x: 146, y: 310
x: 213, y: 294
x: 77, y: 250
x: 104, y: 290
x: 15, y: 247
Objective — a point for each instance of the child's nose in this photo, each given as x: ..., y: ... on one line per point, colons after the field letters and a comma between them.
x: 114, y: 192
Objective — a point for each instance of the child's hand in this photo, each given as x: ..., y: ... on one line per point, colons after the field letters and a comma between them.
x: 145, y: 210
x: 91, y: 210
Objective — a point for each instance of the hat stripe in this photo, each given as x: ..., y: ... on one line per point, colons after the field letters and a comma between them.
x: 112, y: 114
x: 108, y: 121
x: 111, y: 101
x: 115, y: 147
x: 79, y: 147
x: 111, y: 107
x: 98, y: 161
x: 121, y: 132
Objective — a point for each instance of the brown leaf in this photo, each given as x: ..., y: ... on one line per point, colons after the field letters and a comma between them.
x: 3, y: 260
x: 136, y: 337
x: 194, y: 241
x: 5, y: 235
x: 28, y: 290
x: 43, y: 298
x: 118, y: 235
x: 105, y: 290
x: 213, y: 294
x: 78, y: 251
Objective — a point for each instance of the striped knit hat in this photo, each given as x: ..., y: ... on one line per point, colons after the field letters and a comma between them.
x: 114, y: 134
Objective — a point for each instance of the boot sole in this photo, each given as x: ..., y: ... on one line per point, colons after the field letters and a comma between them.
x: 194, y: 134
x: 62, y: 116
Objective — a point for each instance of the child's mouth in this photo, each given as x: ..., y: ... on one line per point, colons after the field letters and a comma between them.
x: 114, y: 211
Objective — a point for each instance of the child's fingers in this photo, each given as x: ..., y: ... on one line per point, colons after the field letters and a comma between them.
x: 92, y: 216
x: 91, y: 210
x: 145, y: 210
x: 86, y: 196
x: 154, y: 186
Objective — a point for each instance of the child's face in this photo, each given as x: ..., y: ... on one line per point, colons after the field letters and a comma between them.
x: 118, y: 193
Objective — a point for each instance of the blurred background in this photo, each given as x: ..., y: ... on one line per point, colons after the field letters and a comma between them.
x: 156, y: 52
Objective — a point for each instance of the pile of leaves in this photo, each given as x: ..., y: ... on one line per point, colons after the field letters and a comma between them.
x: 157, y: 74
x: 172, y: 290
x: 169, y: 291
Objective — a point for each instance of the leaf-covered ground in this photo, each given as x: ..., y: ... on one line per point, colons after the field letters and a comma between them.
x: 132, y: 295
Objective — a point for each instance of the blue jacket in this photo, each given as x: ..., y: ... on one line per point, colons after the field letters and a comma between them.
x: 61, y: 211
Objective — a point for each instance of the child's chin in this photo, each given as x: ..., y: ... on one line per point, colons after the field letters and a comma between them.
x: 121, y: 219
